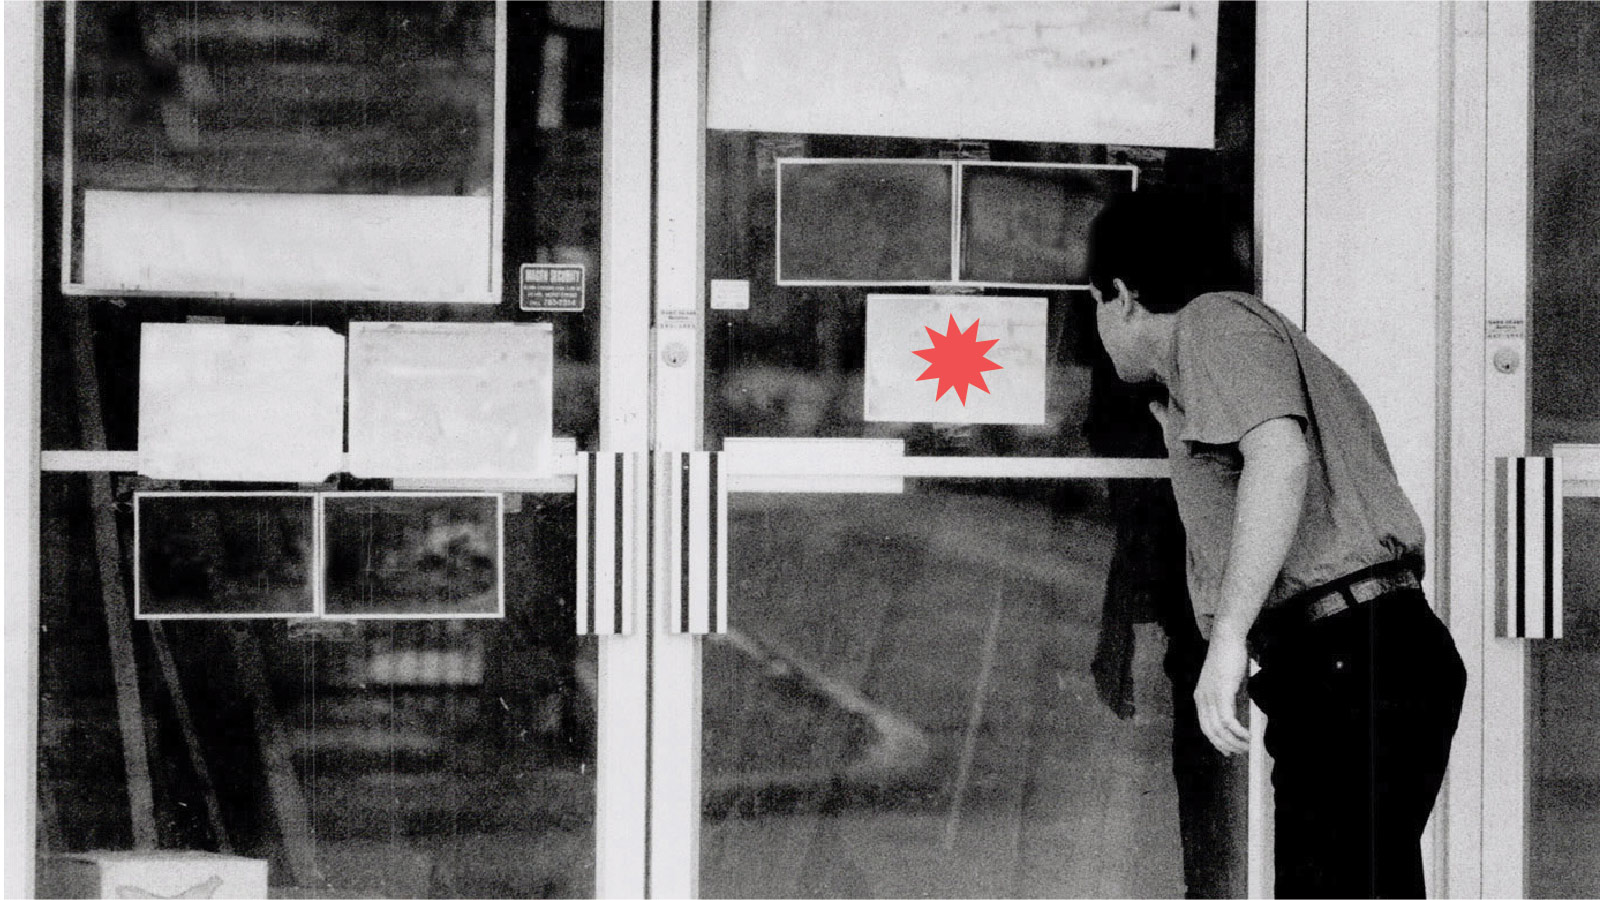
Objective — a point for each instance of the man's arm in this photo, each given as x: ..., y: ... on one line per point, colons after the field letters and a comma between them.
x: 1272, y: 488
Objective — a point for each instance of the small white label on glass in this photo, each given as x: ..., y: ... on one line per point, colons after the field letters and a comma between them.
x: 730, y: 293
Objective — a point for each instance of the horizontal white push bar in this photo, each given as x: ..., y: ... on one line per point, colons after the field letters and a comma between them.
x: 752, y: 465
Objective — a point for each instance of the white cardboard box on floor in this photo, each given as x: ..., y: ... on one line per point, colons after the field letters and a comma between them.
x: 159, y: 873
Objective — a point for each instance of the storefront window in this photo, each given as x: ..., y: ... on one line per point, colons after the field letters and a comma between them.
x: 387, y: 758
x: 370, y: 757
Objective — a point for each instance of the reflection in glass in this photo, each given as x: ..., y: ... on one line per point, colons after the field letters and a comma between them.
x: 225, y: 554
x: 412, y: 554
x: 1030, y: 225
x: 1564, y: 722
x: 876, y: 221
x: 1563, y: 382
x: 360, y: 758
x: 907, y: 705
x: 1563, y: 219
x: 371, y: 98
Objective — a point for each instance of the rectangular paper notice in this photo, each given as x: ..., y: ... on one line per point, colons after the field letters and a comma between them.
x: 290, y: 246
x: 897, y: 327
x: 450, y: 400
x: 1074, y: 72
x: 730, y: 293
x: 240, y: 402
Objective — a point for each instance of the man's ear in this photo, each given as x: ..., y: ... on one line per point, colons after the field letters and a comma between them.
x: 1125, y: 297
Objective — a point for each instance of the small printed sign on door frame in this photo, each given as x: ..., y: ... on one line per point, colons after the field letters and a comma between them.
x: 550, y: 287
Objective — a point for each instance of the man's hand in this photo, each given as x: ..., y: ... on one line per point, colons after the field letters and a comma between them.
x: 1217, y: 694
x: 1272, y: 488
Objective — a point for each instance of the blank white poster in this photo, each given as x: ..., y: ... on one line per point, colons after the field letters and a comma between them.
x: 290, y: 246
x: 240, y: 402
x: 450, y: 400
x: 1080, y: 72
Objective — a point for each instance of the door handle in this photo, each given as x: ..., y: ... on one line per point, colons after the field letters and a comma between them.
x: 1529, y: 547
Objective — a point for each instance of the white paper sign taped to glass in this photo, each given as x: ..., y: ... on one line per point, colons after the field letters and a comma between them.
x: 1085, y: 72
x: 240, y: 402
x: 955, y: 359
x: 290, y: 246
x: 450, y: 400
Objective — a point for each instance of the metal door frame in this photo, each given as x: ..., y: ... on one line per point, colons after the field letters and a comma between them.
x: 673, y: 708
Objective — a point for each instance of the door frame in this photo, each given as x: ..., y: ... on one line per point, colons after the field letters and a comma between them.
x: 1486, y: 795
x: 622, y: 773
x: 680, y: 45
x: 1509, y: 52
x: 1497, y: 55
x: 24, y: 270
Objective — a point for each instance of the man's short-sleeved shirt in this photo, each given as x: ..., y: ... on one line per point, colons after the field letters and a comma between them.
x: 1240, y: 364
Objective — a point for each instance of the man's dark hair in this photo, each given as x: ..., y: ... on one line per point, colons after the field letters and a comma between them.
x: 1167, y: 245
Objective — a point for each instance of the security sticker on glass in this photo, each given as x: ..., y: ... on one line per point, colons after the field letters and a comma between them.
x: 550, y: 287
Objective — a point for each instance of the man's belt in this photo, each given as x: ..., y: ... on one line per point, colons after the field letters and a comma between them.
x: 1332, y: 598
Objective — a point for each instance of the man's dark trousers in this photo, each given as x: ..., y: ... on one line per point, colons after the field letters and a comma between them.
x: 1361, y: 707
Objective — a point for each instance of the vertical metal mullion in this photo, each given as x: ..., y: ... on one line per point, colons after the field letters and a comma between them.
x: 497, y: 196
x: 621, y: 780
x: 957, y: 171
x: 1503, y: 676
x: 679, y: 288
x: 1281, y: 156
x: 1469, y: 545
x: 24, y: 274
x: 68, y: 114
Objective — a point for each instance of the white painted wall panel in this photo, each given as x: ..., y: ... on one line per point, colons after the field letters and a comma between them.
x: 1372, y: 236
x: 1280, y: 148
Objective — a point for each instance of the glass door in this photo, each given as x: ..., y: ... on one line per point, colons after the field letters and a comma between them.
x: 957, y: 644
x: 1539, y: 770
x: 369, y: 680
x: 1563, y: 700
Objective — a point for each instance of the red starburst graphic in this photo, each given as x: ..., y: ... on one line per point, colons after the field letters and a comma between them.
x: 957, y: 359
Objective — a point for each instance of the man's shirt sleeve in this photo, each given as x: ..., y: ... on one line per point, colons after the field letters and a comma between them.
x: 1237, y: 371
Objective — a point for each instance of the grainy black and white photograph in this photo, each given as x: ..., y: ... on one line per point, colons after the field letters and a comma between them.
x: 411, y: 555
x: 225, y: 555
x: 801, y: 448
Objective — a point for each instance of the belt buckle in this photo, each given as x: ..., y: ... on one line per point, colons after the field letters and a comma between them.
x: 1370, y: 589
